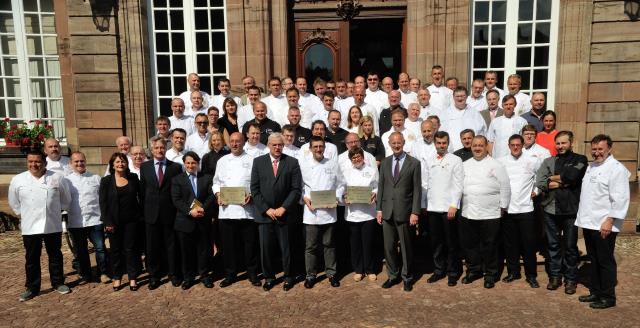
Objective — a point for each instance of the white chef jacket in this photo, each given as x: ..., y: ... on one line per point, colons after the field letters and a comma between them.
x: 244, y: 115
x: 192, y: 112
x: 371, y: 111
x: 442, y: 179
x: 175, y: 156
x: 330, y: 152
x: 234, y: 171
x: 317, y: 176
x: 39, y: 202
x: 309, y: 104
x: 428, y: 110
x: 408, y: 98
x: 277, y: 109
x: 291, y: 150
x: 421, y: 150
x: 218, y: 100
x: 522, y: 178
x: 185, y: 122
x: 186, y: 97
x: 365, y: 176
x: 197, y: 143
x: 523, y: 103
x: 378, y: 99
x: 485, y: 189
x: 499, y: 132
x: 415, y: 127
x: 343, y: 105
x: 604, y: 194
x: 322, y: 115
x: 257, y: 150
x: 344, y: 162
x: 536, y: 151
x: 409, y: 139
x: 500, y: 91
x: 60, y: 166
x: 84, y: 210
x: 441, y: 97
x: 479, y: 104
x: 454, y: 121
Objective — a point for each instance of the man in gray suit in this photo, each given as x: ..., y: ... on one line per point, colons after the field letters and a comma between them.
x: 398, y: 208
x: 493, y: 107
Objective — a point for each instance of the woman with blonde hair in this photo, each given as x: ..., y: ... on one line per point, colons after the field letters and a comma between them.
x: 370, y: 142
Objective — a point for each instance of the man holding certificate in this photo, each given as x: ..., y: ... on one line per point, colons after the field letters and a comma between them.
x: 323, y: 186
x: 231, y: 185
x: 362, y: 185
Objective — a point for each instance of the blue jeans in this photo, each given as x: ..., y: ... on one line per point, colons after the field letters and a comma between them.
x: 96, y: 236
x: 562, y: 240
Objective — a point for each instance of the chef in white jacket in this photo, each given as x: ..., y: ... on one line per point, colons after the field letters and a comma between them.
x: 519, y: 225
x: 503, y: 127
x: 604, y: 201
x: 352, y: 141
x: 319, y: 174
x: 55, y: 161
x: 485, y: 198
x: 531, y: 148
x: 236, y: 221
x: 360, y: 217
x: 442, y: 177
x: 38, y: 196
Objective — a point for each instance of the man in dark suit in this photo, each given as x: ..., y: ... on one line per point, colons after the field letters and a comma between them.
x: 159, y: 213
x: 276, y: 184
x: 192, y: 224
x: 398, y: 207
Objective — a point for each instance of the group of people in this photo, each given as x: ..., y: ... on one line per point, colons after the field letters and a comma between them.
x: 474, y: 174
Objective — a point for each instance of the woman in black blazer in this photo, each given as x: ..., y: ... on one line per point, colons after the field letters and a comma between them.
x: 121, y: 211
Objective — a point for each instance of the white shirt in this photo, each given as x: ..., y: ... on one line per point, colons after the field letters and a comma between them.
x: 234, y: 171
x: 479, y: 104
x: 185, y: 122
x: 330, y: 151
x: 379, y: 99
x: 322, y: 115
x: 441, y: 97
x: 408, y: 98
x: 135, y: 170
x: 523, y: 103
x: 186, y: 97
x: 277, y: 108
x: 499, y: 132
x: 245, y: 114
x: 604, y: 194
x: 415, y: 127
x: 485, y: 189
x: 409, y: 139
x: 428, y: 110
x: 318, y: 176
x: 422, y: 151
x: 344, y: 162
x: 175, y: 156
x: 255, y: 151
x: 84, y: 209
x: 442, y: 179
x: 60, y: 166
x: 308, y: 109
x: 343, y: 105
x: 193, y: 112
x: 197, y: 143
x: 372, y: 112
x: 39, y: 202
x: 218, y: 100
x: 365, y: 176
x: 522, y: 177
x: 291, y: 150
x: 500, y: 91
x: 536, y: 151
x: 454, y: 120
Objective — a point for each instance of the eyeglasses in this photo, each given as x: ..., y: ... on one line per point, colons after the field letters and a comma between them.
x: 202, y: 123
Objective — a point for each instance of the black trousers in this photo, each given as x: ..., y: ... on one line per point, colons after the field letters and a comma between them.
x: 239, y: 238
x: 394, y: 232
x: 161, y: 249
x: 270, y: 235
x: 296, y: 241
x: 603, y: 263
x: 443, y: 236
x: 33, y: 250
x: 124, y: 254
x: 480, y: 244
x: 520, y: 239
x: 362, y: 246
x: 79, y: 237
x: 320, y: 243
x: 195, y: 251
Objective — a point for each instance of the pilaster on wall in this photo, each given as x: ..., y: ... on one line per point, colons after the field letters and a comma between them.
x: 257, y: 40
x: 438, y: 33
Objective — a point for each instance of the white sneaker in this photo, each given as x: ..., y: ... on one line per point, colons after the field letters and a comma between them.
x: 357, y: 277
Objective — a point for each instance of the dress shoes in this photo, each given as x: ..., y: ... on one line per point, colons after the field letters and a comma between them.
x: 255, y: 281
x: 471, y: 277
x: 268, y: 285
x: 287, y: 286
x: 207, y: 282
x: 489, y: 283
x: 334, y: 281
x: 452, y: 281
x: 134, y: 287
x: 176, y: 282
x: 309, y: 282
x: 603, y: 304
x: 588, y: 298
x: 532, y: 282
x: 154, y: 284
x: 570, y: 287
x: 187, y: 284
x: 511, y: 277
x: 435, y: 277
x: 408, y: 286
x: 554, y: 283
x: 226, y: 282
x: 390, y: 283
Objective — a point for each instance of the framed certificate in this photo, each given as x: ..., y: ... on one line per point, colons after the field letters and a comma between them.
x: 359, y: 195
x: 232, y: 195
x: 323, y: 199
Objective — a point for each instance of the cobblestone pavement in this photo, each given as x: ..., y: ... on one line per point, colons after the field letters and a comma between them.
x: 354, y: 304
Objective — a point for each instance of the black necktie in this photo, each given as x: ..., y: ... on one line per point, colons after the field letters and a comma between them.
x: 396, y: 170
